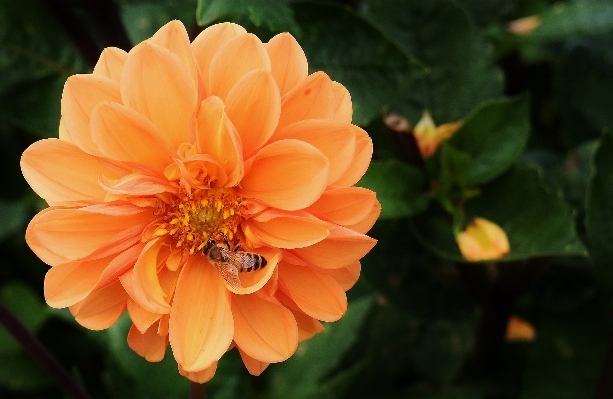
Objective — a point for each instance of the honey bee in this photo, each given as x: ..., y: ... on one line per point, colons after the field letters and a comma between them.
x: 230, y: 262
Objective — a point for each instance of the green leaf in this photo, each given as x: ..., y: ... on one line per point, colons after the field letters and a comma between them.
x: 150, y: 380
x: 599, y: 211
x: 353, y: 53
x: 399, y: 188
x: 565, y: 359
x: 494, y: 135
x: 571, y: 20
x: 12, y: 217
x: 27, y: 306
x: 301, y: 375
x: 36, y: 57
x: 537, y: 222
x: 442, y: 350
x: 19, y: 373
x: 458, y: 63
x: 277, y: 15
x: 143, y: 19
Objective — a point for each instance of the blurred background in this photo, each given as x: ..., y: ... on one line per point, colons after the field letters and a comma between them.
x: 535, y: 155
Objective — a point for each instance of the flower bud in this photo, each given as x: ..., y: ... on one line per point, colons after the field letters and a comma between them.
x: 482, y: 240
x: 429, y: 137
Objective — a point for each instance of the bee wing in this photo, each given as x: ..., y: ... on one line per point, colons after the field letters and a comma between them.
x: 229, y: 272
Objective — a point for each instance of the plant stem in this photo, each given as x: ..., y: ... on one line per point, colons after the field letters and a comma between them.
x: 35, y: 348
x: 196, y: 390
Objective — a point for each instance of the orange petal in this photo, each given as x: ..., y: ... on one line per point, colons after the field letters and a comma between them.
x: 101, y: 308
x: 81, y: 94
x: 255, y: 280
x: 72, y: 234
x: 344, y: 206
x: 69, y: 283
x: 287, y: 174
x: 200, y: 376
x: 308, y: 327
x: 288, y: 62
x: 206, y: 44
x: 519, y: 330
x: 149, y: 345
x: 137, y: 184
x: 346, y: 276
x: 125, y: 135
x: 173, y: 37
x: 255, y: 367
x: 238, y: 56
x: 201, y: 324
x: 341, y: 248
x: 110, y: 63
x: 285, y: 230
x: 156, y: 83
x: 254, y: 105
x: 218, y: 138
x: 366, y: 224
x: 314, y: 292
x: 44, y: 166
x: 335, y: 139
x: 147, y: 290
x: 141, y: 317
x: 312, y: 98
x: 361, y: 159
x: 343, y: 109
x: 264, y: 330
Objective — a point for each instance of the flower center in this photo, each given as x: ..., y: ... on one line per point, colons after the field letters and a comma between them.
x: 206, y: 214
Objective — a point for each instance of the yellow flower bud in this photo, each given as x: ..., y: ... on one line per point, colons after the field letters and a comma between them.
x: 519, y: 330
x: 429, y: 137
x: 482, y: 240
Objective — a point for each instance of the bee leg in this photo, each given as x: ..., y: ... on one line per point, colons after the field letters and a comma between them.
x: 225, y: 239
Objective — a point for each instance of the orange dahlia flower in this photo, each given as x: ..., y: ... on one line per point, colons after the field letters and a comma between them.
x: 180, y: 169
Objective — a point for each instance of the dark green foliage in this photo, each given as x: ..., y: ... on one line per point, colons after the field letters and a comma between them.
x: 534, y: 155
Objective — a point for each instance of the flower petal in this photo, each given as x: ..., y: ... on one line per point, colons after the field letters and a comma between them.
x: 206, y: 44
x: 72, y: 282
x: 312, y: 98
x: 101, y: 308
x: 238, y: 56
x: 255, y: 367
x: 361, y: 159
x: 200, y: 376
x: 146, y: 289
x: 81, y: 94
x: 314, y: 292
x: 125, y: 135
x: 287, y: 174
x: 335, y: 139
x: 73, y: 234
x: 253, y: 281
x: 218, y: 138
x: 44, y: 167
x: 149, y: 345
x: 285, y: 230
x: 343, y: 109
x: 141, y: 317
x: 344, y: 206
x: 110, y: 64
x: 346, y: 276
x: 173, y: 37
x: 288, y: 62
x: 201, y: 323
x: 254, y: 105
x: 157, y: 84
x: 366, y: 224
x: 264, y: 330
x: 341, y: 248
x: 137, y: 184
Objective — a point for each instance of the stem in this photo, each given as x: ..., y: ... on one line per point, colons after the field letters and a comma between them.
x: 34, y: 348
x: 196, y: 390
x: 604, y: 385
